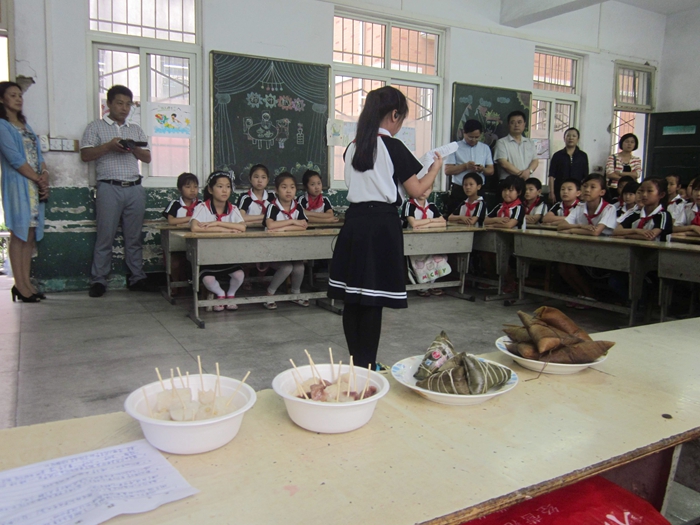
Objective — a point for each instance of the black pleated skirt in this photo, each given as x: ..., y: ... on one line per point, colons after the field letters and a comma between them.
x: 368, y: 262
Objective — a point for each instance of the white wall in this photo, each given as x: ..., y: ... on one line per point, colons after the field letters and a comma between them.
x: 680, y: 74
x: 480, y: 51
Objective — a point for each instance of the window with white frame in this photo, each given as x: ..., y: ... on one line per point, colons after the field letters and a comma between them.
x: 4, y: 40
x: 162, y: 79
x: 634, y: 88
x: 162, y: 19
x: 369, y: 54
x: 555, y: 103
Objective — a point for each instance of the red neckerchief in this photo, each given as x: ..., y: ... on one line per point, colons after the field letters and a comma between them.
x: 315, y: 203
x: 228, y: 208
x: 676, y: 200
x: 696, y: 220
x: 644, y: 220
x: 191, y: 207
x: 590, y: 218
x: 262, y: 203
x: 506, y: 207
x: 529, y: 208
x: 293, y: 208
x: 470, y: 207
x: 568, y: 210
x: 421, y: 208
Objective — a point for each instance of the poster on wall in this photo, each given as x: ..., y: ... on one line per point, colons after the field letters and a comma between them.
x: 169, y: 120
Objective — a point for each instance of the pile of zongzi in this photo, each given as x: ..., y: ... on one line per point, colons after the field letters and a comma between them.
x: 464, y: 374
x: 550, y: 336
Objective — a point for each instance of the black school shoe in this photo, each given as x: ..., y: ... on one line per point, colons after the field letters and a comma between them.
x: 97, y: 290
x: 142, y: 285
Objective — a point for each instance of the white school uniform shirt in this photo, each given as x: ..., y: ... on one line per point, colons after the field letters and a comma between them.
x: 178, y: 208
x: 686, y: 218
x: 558, y: 208
x: 478, y: 210
x: 303, y: 201
x: 626, y: 213
x: 247, y: 202
x: 605, y: 213
x: 676, y: 208
x: 276, y: 212
x: 659, y: 218
x: 540, y: 207
x: 204, y: 213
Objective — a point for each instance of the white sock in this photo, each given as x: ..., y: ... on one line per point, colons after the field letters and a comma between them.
x: 211, y: 284
x: 235, y: 283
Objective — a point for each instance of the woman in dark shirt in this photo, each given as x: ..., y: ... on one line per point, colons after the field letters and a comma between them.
x: 569, y: 162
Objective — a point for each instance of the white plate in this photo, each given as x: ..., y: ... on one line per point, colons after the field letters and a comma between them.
x: 539, y: 366
x: 403, y: 372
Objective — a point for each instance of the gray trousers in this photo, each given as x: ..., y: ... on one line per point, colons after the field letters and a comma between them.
x: 115, y: 203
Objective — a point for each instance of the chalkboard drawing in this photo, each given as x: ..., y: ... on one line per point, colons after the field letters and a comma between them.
x: 285, y: 102
x: 300, y: 133
x: 283, y: 127
x: 270, y: 101
x: 298, y: 104
x: 254, y: 99
x: 270, y: 81
x: 265, y: 133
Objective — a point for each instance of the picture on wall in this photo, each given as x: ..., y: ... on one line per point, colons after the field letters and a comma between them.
x: 270, y: 112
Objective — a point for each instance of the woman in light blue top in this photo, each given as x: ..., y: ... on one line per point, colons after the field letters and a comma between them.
x: 25, y: 188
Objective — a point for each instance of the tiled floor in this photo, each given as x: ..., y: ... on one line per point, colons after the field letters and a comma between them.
x: 73, y: 356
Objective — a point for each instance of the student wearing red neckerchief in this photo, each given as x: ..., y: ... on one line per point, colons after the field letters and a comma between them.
x: 569, y: 194
x: 285, y: 215
x: 534, y: 204
x: 217, y: 214
x: 179, y: 211
x: 689, y: 222
x: 510, y: 213
x: 472, y: 211
x: 254, y: 203
x: 652, y: 222
x: 317, y: 208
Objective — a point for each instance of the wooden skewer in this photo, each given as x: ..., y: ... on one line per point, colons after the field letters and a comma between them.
x: 300, y: 389
x: 172, y: 379
x: 179, y: 374
x: 313, y: 367
x: 330, y: 352
x: 188, y: 379
x: 337, y: 394
x: 237, y: 389
x: 161, y: 380
x: 217, y: 388
x: 354, y: 375
x: 177, y: 394
x: 201, y: 377
x: 148, y: 405
x: 295, y: 368
x: 369, y: 367
x: 350, y: 377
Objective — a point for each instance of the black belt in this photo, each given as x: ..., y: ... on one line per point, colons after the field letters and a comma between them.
x: 123, y: 184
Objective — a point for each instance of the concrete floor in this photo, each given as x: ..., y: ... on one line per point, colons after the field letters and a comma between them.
x: 74, y: 356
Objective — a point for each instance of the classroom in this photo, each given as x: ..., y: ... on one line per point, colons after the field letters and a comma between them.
x: 607, y: 68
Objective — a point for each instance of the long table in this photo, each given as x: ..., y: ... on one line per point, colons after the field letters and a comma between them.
x: 260, y: 247
x: 636, y: 258
x: 677, y: 262
x: 417, y: 461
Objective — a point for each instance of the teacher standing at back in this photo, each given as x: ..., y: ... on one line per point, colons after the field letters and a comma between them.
x: 367, y: 272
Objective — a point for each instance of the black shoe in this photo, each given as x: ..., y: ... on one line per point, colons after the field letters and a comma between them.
x: 97, y: 290
x: 17, y: 295
x: 142, y: 285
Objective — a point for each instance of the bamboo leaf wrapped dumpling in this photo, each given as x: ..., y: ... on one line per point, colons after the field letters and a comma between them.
x: 438, y: 353
x: 450, y: 381
x: 465, y: 374
x: 483, y: 376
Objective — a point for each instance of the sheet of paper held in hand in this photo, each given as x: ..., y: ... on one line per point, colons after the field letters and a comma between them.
x: 428, y: 159
x: 90, y: 488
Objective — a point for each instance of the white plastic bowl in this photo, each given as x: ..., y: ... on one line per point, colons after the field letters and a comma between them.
x: 191, y: 437
x: 329, y: 418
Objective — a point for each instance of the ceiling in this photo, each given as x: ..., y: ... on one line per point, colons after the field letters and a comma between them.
x: 664, y: 7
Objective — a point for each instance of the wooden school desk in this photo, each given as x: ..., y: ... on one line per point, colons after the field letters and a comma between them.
x: 677, y: 262
x: 171, y: 244
x: 633, y: 257
x: 499, y: 242
x: 314, y: 244
x: 417, y: 461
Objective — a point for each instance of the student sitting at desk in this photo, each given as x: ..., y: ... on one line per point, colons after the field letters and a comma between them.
x: 689, y: 222
x: 472, y: 211
x: 179, y: 212
x: 255, y: 201
x: 317, y: 208
x: 676, y: 203
x: 285, y: 215
x: 596, y: 217
x: 217, y: 214
x: 617, y: 202
x: 569, y: 193
x: 535, y: 206
x: 652, y: 221
x: 510, y: 213
x: 420, y: 214
x: 628, y: 200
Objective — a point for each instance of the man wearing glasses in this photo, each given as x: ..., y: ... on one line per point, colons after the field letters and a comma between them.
x: 117, y: 146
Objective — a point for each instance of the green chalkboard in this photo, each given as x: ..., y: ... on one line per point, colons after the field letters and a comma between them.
x: 271, y: 112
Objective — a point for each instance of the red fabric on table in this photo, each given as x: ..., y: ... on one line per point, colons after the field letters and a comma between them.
x: 595, y: 501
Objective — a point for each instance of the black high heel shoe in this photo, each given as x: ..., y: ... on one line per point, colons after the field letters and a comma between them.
x: 17, y: 295
x: 40, y: 295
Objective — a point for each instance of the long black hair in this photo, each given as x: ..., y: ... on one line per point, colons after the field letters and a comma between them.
x: 4, y: 86
x: 211, y: 181
x: 661, y: 187
x: 379, y: 103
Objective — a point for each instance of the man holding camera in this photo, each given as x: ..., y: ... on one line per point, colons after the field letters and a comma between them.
x: 116, y: 146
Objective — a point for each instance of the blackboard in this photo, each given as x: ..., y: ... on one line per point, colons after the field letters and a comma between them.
x: 490, y: 106
x: 270, y: 112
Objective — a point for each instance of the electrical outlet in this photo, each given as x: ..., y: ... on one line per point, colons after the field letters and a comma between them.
x: 44, y: 143
x: 55, y: 144
x: 68, y: 145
